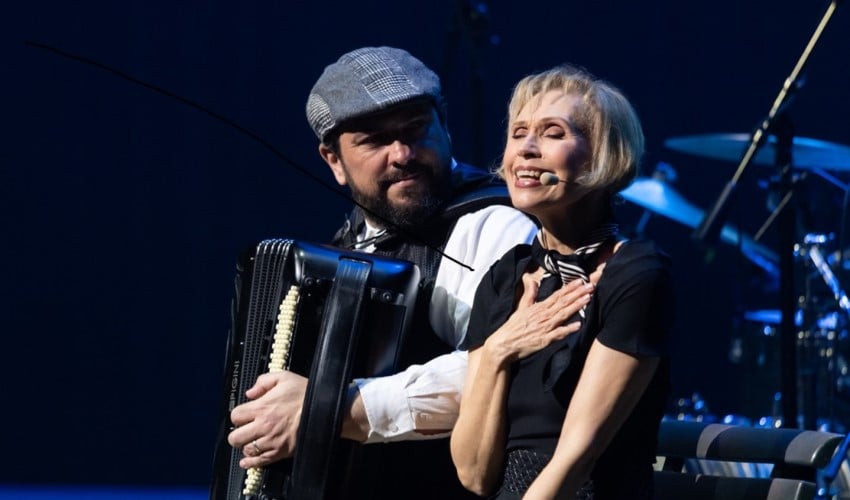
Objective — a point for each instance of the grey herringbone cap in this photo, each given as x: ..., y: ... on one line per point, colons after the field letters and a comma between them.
x: 367, y: 80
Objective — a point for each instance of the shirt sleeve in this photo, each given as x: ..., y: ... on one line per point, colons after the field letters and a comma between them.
x: 424, y: 397
x: 427, y: 396
x: 479, y: 240
x: 638, y: 306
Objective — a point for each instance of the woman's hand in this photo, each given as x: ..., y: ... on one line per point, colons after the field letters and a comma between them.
x: 535, y: 325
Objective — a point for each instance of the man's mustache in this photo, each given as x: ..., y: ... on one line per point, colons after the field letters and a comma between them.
x: 407, y: 171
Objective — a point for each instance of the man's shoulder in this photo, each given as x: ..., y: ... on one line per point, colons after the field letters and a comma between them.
x: 473, y: 189
x: 494, y: 229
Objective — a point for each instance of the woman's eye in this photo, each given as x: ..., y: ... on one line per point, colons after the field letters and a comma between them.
x: 519, y: 133
x: 554, y: 132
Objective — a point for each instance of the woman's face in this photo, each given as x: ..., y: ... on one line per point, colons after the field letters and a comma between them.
x: 543, y: 137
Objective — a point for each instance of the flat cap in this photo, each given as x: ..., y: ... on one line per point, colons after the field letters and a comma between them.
x: 367, y: 80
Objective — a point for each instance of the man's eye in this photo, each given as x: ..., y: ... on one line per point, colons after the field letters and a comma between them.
x: 418, y: 125
x: 415, y: 131
x: 377, y: 139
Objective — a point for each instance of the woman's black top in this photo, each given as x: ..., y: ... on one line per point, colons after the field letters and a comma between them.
x: 632, y: 312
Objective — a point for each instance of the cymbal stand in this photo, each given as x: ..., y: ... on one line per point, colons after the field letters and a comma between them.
x: 813, y: 242
x: 817, y: 338
x: 708, y: 231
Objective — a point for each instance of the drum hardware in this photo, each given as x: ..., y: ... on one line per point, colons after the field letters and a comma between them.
x: 809, y: 154
x: 776, y: 123
x: 665, y: 173
x: 813, y: 243
x: 655, y: 195
x: 824, y: 379
x: 692, y: 408
x: 820, y: 342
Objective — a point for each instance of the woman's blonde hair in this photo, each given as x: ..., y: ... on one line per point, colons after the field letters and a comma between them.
x: 605, y: 118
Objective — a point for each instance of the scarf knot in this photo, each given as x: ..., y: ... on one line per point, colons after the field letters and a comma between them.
x: 577, y: 265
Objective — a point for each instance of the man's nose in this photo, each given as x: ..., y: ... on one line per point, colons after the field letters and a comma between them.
x: 400, y: 152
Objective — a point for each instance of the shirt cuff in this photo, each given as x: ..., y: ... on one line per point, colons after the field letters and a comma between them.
x: 421, y: 398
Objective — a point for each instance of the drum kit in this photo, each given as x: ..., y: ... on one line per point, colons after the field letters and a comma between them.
x: 821, y: 347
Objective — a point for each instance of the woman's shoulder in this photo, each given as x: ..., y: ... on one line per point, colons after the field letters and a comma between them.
x: 639, y: 250
x: 638, y: 257
x: 504, y: 272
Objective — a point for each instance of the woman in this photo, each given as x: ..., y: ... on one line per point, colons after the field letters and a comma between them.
x: 545, y: 414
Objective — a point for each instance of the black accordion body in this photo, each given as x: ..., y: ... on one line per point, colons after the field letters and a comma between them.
x: 325, y: 313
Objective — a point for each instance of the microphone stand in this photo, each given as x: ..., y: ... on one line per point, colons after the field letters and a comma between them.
x: 783, y: 129
x: 708, y: 230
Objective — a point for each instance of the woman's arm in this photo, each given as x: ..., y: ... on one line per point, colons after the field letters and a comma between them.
x: 478, y: 438
x: 610, y: 386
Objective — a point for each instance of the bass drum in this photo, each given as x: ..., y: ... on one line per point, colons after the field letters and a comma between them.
x: 823, y: 367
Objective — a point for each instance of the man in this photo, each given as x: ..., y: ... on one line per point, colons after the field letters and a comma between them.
x: 380, y: 116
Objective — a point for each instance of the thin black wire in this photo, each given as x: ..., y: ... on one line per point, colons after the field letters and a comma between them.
x: 256, y: 137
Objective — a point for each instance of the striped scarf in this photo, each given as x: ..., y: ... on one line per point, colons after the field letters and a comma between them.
x: 577, y: 265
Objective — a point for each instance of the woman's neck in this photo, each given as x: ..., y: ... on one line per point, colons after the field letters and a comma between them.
x: 570, y: 229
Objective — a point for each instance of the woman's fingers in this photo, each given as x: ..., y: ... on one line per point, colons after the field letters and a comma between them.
x: 597, y: 273
x: 562, y: 331
x: 529, y: 290
x: 568, y: 300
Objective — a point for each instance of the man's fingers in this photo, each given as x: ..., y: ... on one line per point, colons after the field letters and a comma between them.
x: 241, y: 436
x: 242, y: 414
x: 257, y: 461
x: 264, y: 384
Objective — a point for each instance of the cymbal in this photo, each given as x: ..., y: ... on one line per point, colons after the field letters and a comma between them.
x: 659, y: 197
x: 806, y: 153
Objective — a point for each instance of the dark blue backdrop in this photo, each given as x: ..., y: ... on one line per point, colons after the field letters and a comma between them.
x: 123, y: 210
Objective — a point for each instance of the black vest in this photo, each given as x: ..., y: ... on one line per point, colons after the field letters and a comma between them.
x: 421, y: 469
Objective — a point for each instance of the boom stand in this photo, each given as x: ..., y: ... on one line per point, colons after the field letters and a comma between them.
x: 709, y: 229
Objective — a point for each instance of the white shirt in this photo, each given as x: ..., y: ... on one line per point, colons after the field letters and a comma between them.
x: 427, y: 396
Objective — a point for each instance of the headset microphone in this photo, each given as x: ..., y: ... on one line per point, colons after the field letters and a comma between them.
x: 549, y: 179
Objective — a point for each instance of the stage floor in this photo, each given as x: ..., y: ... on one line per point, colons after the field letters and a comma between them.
x: 76, y: 492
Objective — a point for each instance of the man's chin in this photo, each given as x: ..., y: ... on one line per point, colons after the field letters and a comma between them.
x: 410, y: 212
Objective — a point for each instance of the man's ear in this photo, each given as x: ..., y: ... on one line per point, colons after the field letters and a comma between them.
x: 335, y: 162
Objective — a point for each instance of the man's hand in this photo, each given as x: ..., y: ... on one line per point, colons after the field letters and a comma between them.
x: 266, y: 426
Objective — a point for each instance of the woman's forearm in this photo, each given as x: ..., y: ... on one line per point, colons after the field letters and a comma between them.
x: 478, y: 438
x: 560, y: 479
x: 610, y: 385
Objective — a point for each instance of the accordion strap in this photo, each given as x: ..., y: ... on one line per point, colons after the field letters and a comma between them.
x: 330, y: 373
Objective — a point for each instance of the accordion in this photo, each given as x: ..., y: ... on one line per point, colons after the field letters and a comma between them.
x: 324, y: 313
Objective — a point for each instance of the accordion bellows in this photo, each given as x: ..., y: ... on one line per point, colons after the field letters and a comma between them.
x: 325, y: 313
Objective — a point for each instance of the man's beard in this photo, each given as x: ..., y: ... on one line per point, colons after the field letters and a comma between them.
x: 382, y: 212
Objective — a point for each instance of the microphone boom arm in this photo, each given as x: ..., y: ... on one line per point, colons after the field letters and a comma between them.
x: 709, y: 228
